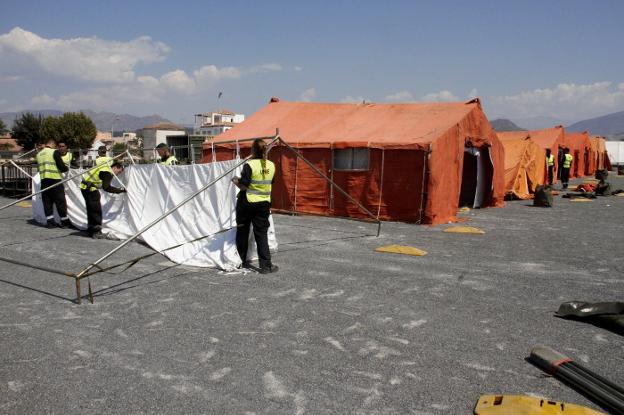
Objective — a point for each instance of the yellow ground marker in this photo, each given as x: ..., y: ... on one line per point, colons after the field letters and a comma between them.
x: 620, y: 194
x: 464, y: 209
x: 581, y: 199
x: 527, y: 405
x: 400, y: 249
x: 464, y: 229
x: 24, y: 204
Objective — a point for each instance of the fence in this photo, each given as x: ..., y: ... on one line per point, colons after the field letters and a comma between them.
x: 16, y: 179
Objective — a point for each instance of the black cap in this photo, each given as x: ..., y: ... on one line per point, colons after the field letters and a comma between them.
x: 162, y: 145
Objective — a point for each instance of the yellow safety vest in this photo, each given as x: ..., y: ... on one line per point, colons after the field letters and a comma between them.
x: 169, y: 162
x: 567, y: 161
x: 551, y: 160
x: 259, y: 190
x: 67, y: 158
x: 91, y: 179
x: 46, y: 164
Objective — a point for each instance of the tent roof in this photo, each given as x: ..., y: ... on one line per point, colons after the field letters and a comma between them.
x: 366, y: 124
x: 547, y: 137
x: 577, y: 140
x: 513, y: 135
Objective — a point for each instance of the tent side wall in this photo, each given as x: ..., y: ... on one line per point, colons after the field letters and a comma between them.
x: 446, y: 163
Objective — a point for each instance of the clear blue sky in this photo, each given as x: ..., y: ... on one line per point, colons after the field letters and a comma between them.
x: 561, y: 59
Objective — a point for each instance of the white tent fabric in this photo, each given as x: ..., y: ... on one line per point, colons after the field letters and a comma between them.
x: 154, y: 189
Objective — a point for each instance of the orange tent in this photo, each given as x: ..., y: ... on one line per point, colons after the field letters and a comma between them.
x: 600, y: 157
x: 580, y: 149
x: 412, y: 162
x: 552, y: 139
x: 525, y: 164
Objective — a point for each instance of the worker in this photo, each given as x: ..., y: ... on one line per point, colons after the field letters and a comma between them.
x: 550, y: 161
x: 92, y: 181
x: 67, y: 156
x: 565, y: 170
x: 50, y: 166
x: 253, y: 206
x: 166, y: 157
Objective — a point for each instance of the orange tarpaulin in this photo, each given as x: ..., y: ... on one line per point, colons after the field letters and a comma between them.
x: 415, y: 162
x: 525, y: 164
x: 600, y: 157
x: 580, y: 149
x: 552, y: 139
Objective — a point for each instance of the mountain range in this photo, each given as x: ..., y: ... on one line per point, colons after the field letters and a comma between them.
x: 502, y: 124
x: 607, y: 125
x: 104, y: 121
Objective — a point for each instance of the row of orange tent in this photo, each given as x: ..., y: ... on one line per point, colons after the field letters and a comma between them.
x: 410, y: 162
x: 525, y: 157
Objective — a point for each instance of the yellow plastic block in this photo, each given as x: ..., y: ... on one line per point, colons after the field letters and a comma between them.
x: 581, y: 199
x: 464, y: 209
x: 620, y: 194
x: 24, y: 204
x: 527, y: 405
x: 399, y: 249
x: 464, y: 229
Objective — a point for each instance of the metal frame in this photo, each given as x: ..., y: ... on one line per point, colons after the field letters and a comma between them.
x: 84, y: 273
x: 65, y: 180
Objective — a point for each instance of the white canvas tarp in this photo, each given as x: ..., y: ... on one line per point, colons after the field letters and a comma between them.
x: 154, y: 189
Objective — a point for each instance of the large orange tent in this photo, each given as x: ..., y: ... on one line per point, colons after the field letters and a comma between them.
x: 525, y: 164
x: 580, y: 149
x: 600, y: 157
x: 552, y: 139
x: 414, y: 162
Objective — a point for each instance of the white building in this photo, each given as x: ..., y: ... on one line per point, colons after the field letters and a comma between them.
x: 156, y: 134
x: 214, y: 123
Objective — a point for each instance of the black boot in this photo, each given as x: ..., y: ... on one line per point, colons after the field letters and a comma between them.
x: 51, y: 224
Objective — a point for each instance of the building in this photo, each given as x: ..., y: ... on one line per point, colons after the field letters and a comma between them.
x: 159, y: 133
x: 214, y: 123
x: 415, y: 162
x: 8, y: 147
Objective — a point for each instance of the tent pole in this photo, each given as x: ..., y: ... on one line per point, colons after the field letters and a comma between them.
x: 344, y: 193
x: 67, y: 179
x: 82, y: 273
x: 383, y: 158
x: 18, y: 157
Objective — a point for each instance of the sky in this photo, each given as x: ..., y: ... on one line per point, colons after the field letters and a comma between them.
x: 560, y: 59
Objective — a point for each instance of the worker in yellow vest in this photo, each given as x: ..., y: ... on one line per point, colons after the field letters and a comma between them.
x: 66, y: 156
x: 550, y: 162
x: 166, y: 158
x: 50, y: 166
x: 253, y: 206
x: 92, y: 182
x: 565, y: 168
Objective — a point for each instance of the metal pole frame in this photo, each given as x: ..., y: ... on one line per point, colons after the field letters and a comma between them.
x: 18, y: 157
x: 84, y: 271
x: 340, y: 189
x: 65, y: 180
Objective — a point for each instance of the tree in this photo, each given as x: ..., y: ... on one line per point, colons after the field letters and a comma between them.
x: 74, y: 129
x: 27, y: 130
x: 3, y: 128
x: 118, y: 148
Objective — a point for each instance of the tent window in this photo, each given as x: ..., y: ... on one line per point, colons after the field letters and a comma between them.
x: 351, y: 159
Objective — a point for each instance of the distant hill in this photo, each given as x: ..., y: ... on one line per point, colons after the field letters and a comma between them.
x: 103, y: 120
x: 502, y: 124
x: 611, y: 124
x: 539, y: 122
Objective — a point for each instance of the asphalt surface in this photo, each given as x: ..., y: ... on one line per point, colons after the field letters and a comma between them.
x: 339, y: 329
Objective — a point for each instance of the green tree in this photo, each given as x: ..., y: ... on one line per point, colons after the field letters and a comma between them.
x: 3, y: 128
x: 74, y: 129
x: 27, y: 130
x: 118, y: 148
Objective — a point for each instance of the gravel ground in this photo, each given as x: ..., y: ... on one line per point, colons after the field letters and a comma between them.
x: 339, y: 329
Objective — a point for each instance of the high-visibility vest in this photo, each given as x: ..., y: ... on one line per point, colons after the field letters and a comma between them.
x: 46, y: 164
x: 67, y: 158
x: 259, y: 190
x: 551, y: 160
x: 567, y: 161
x: 171, y: 160
x: 91, y: 180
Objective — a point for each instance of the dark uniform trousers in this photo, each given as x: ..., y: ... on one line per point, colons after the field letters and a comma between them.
x: 54, y: 196
x: 565, y: 176
x: 550, y: 174
x: 94, y: 210
x: 256, y: 214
